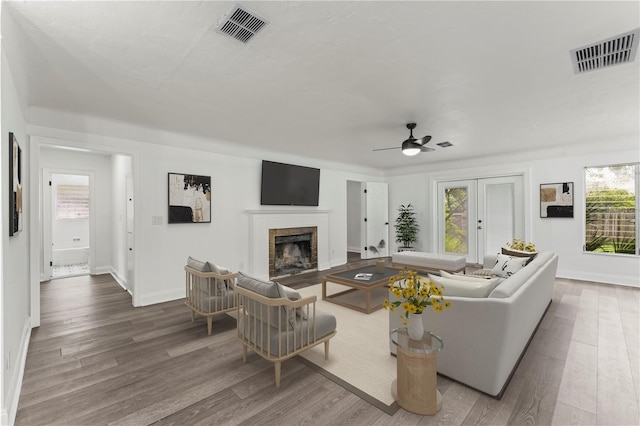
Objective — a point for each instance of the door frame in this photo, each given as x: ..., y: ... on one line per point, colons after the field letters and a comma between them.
x: 47, y: 219
x: 482, y: 173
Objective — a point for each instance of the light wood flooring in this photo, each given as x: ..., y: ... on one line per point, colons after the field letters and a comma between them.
x: 97, y: 360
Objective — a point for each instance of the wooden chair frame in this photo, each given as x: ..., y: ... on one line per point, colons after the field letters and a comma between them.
x: 296, y: 336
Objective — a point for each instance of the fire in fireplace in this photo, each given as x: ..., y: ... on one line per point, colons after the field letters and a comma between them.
x: 292, y: 251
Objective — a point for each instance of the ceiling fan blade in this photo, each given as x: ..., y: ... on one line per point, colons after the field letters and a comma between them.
x: 384, y: 149
x: 424, y: 140
x: 426, y: 149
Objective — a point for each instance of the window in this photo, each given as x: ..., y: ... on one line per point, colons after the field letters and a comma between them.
x: 610, y: 209
x: 72, y: 202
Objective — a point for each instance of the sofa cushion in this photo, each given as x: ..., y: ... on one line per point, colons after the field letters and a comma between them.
x: 465, y: 288
x: 198, y: 265
x: 508, y: 265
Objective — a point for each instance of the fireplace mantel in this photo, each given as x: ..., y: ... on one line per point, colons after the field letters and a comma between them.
x: 261, y: 221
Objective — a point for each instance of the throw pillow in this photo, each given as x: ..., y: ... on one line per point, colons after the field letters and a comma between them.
x: 222, y: 286
x: 445, y: 274
x: 292, y: 295
x: 482, y: 273
x: 507, y: 265
x: 478, y: 288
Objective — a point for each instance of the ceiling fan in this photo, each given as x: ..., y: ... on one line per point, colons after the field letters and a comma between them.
x: 412, y: 146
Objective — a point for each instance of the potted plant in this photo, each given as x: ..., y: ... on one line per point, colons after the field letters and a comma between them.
x: 406, y: 226
x: 376, y: 250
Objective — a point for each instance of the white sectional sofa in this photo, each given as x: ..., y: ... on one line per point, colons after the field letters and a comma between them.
x: 484, y: 338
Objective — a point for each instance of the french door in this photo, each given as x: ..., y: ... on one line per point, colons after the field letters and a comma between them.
x: 478, y: 216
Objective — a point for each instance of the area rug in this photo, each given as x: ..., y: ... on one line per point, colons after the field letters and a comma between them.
x: 359, y: 357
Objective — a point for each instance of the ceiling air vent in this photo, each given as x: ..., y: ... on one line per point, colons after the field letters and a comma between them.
x: 241, y: 24
x: 613, y: 51
x: 445, y: 144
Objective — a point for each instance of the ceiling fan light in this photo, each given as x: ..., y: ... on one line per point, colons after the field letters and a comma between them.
x: 411, y: 151
x: 410, y: 148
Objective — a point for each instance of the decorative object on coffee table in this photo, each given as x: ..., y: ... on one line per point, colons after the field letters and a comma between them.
x: 415, y: 294
x: 406, y: 226
x: 380, y: 262
x: 416, y: 388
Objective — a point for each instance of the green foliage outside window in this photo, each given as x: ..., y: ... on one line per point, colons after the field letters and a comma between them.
x: 455, y: 234
x: 610, y: 210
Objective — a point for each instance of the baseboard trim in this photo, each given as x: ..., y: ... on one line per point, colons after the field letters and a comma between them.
x: 162, y: 296
x: 15, y: 384
x: 121, y: 281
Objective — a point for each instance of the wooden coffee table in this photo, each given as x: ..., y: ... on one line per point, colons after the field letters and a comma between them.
x: 348, y: 279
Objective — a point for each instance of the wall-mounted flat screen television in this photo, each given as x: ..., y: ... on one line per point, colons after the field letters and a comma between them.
x: 289, y: 185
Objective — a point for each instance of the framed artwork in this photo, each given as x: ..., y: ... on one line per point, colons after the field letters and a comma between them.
x: 16, y: 215
x: 189, y: 198
x: 556, y: 199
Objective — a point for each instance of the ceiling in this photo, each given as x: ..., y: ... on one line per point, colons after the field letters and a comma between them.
x: 333, y: 80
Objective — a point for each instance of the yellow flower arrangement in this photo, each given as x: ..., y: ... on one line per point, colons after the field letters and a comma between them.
x: 520, y: 245
x: 415, y: 293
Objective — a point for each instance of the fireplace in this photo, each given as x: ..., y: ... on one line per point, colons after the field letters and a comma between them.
x: 292, y: 251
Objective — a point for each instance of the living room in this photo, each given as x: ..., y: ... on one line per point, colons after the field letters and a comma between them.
x: 52, y: 138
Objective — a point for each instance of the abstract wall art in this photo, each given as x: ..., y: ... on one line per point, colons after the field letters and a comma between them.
x: 16, y: 188
x: 556, y: 200
x: 189, y: 198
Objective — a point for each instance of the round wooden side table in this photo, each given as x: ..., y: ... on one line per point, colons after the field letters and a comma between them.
x: 416, y: 388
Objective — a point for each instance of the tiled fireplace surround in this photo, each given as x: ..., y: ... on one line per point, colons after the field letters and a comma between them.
x: 312, y: 231
x: 261, y: 222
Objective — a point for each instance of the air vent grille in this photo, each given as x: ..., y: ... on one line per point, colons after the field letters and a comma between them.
x: 614, y: 51
x: 241, y: 24
x: 445, y: 144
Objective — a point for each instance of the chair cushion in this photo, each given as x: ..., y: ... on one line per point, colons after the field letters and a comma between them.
x: 222, y: 286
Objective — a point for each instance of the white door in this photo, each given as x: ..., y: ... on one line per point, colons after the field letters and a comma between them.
x: 376, y: 220
x: 478, y: 216
x: 457, y: 218
x: 500, y: 213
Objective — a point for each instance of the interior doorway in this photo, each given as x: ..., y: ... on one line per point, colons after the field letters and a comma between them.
x: 478, y: 216
x: 67, y: 225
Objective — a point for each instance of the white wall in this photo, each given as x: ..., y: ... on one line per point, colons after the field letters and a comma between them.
x: 563, y: 236
x: 15, y: 255
x: 161, y: 250
x: 99, y: 165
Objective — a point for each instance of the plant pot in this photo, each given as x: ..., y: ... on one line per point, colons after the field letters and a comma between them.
x: 380, y: 266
